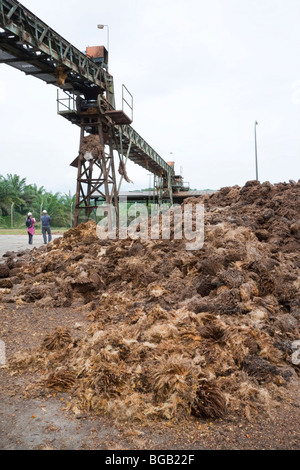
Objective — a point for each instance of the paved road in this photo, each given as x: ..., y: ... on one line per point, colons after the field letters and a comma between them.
x: 19, y: 242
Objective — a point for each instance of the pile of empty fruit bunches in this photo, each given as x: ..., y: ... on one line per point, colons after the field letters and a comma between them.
x: 172, y: 333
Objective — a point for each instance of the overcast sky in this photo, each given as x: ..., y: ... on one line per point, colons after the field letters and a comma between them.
x: 201, y: 73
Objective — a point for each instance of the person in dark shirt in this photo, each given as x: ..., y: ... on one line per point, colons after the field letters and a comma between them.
x: 46, y: 229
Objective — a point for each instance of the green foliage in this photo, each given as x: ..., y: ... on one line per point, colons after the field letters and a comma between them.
x: 18, y: 198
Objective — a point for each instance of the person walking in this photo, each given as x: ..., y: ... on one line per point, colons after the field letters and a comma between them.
x: 30, y: 222
x: 46, y: 229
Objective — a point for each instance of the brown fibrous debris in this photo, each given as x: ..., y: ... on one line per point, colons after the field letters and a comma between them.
x: 174, y: 333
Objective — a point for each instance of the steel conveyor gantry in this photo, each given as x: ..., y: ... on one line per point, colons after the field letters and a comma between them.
x: 31, y: 46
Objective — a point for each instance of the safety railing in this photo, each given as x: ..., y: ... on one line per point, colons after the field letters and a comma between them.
x: 66, y: 103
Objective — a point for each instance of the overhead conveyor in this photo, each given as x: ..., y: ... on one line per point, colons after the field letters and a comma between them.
x: 88, y: 101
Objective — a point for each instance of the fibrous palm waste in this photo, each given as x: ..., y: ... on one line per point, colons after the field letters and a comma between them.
x: 174, y: 333
x: 123, y: 171
x: 91, y: 145
x: 91, y: 148
x: 61, y: 75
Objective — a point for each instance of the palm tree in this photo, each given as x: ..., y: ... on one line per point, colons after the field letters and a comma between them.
x: 13, y: 189
x: 69, y: 200
x: 6, y: 195
x: 18, y: 185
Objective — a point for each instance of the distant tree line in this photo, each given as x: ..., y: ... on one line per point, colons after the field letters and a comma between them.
x: 17, y: 198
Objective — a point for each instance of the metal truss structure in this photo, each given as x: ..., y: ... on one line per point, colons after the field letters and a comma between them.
x: 31, y: 46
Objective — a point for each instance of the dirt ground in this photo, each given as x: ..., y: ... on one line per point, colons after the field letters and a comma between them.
x: 42, y: 422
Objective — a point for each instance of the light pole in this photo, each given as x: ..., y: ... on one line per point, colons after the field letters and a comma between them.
x: 12, y: 215
x: 102, y: 26
x: 256, y: 159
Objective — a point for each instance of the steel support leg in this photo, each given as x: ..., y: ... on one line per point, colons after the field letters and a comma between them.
x: 96, y: 174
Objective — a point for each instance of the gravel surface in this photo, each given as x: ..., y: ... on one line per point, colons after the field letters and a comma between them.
x: 20, y: 242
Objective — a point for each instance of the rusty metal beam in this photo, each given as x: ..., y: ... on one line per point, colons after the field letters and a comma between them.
x: 22, y: 28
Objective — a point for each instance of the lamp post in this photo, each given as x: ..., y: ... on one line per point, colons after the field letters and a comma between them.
x: 256, y: 159
x: 12, y: 215
x: 102, y: 26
